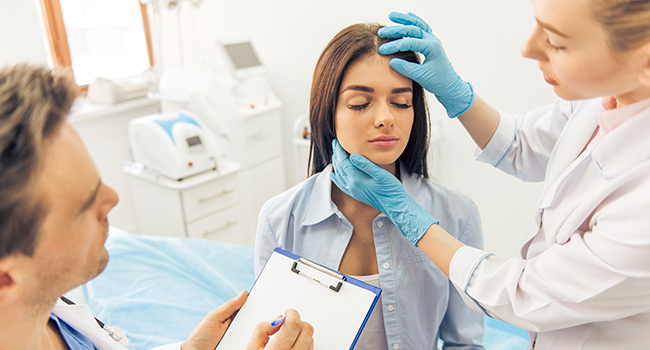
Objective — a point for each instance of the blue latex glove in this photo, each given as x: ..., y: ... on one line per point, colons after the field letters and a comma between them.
x: 366, y: 182
x: 434, y: 74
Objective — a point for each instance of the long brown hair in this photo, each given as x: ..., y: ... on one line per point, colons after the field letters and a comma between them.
x: 348, y: 46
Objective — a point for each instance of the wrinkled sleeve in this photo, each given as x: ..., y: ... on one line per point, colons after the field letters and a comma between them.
x: 598, y: 275
x: 462, y: 328
x: 522, y: 144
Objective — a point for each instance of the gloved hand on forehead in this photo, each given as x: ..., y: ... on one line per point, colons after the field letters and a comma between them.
x: 434, y: 74
x: 366, y: 182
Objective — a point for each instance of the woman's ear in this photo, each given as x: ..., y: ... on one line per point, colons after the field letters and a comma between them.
x: 644, y: 75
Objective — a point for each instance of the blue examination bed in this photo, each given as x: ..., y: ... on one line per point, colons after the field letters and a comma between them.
x: 157, y: 289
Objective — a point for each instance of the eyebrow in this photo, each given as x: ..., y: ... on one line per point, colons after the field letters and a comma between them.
x: 550, y: 28
x: 91, y: 199
x: 371, y: 90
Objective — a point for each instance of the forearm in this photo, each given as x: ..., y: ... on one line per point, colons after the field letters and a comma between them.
x: 440, y: 247
x: 480, y: 121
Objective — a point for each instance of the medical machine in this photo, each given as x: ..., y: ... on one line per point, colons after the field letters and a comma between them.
x: 173, y: 144
x: 234, y: 99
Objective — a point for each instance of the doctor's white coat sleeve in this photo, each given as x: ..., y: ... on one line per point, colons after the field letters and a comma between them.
x: 600, y: 273
x: 522, y: 145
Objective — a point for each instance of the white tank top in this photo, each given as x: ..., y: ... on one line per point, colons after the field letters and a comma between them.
x: 373, y: 336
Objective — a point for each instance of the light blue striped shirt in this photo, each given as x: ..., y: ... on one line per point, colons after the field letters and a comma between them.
x: 419, y: 303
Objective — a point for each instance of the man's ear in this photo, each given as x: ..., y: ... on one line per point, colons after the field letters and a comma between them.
x: 10, y: 288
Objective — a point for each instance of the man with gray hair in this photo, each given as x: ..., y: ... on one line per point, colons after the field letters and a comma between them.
x: 53, y: 226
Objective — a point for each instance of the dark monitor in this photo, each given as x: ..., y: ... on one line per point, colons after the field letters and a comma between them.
x: 242, y: 55
x: 193, y: 141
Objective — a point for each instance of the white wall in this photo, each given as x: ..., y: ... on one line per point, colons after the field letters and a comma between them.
x: 21, y: 35
x: 482, y: 39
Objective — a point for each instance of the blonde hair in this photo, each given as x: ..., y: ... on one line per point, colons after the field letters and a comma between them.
x: 34, y: 102
x: 626, y: 21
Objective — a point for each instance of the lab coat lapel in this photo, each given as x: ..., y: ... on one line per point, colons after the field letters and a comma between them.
x: 625, y: 147
x: 81, y: 319
x: 575, y: 136
x: 616, y: 153
x: 562, y: 162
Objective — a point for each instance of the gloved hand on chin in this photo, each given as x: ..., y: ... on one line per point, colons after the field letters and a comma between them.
x: 367, y: 182
x: 434, y: 74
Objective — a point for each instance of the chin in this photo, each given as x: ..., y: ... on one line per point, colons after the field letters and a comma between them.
x: 100, y: 265
x: 569, y: 96
x: 382, y: 159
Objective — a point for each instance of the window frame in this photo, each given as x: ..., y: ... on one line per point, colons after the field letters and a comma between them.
x: 58, y: 39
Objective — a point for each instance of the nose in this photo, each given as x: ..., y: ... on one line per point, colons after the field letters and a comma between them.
x: 384, y: 116
x: 110, y: 199
x: 533, y: 48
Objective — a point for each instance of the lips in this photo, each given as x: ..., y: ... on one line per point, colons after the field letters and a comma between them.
x: 384, y: 140
x: 549, y: 80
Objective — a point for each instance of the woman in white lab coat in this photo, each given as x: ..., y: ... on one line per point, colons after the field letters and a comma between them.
x: 583, y: 281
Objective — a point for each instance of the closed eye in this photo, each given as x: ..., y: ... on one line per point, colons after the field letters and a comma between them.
x: 358, y: 107
x: 402, y: 105
x: 553, y: 47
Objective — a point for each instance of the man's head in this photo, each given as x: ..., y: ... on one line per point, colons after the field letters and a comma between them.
x: 53, y: 205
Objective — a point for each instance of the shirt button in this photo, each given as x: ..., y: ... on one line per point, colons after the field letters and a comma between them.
x: 386, y: 266
x: 390, y: 307
x: 380, y: 224
x: 395, y: 346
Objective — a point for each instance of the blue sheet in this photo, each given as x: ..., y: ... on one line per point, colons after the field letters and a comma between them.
x: 157, y: 289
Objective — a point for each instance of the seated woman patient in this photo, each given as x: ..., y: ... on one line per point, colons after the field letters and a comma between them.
x: 372, y: 110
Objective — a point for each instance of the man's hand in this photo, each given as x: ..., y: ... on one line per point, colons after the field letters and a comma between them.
x: 209, y: 332
x: 294, y: 334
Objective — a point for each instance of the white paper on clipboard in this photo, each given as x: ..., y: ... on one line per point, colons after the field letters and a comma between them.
x: 338, y: 317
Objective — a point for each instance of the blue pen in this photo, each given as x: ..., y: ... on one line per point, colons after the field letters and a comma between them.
x: 278, y: 322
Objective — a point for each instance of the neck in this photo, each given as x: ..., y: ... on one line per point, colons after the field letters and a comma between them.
x: 25, y: 326
x: 632, y: 97
x: 351, y: 207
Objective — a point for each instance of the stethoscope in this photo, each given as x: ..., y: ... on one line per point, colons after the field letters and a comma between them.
x: 113, y: 332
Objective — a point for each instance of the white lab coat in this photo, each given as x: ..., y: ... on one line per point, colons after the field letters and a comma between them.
x: 81, y: 319
x: 584, y: 280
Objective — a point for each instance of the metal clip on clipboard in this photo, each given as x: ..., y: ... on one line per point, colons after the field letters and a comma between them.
x: 321, y: 269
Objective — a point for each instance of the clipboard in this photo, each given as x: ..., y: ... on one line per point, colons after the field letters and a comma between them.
x: 338, y: 306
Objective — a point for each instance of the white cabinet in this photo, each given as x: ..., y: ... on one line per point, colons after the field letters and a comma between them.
x: 254, y: 134
x: 255, y: 142
x: 205, y: 206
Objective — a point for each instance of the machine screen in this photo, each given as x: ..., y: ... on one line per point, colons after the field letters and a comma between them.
x: 193, y: 141
x: 242, y: 55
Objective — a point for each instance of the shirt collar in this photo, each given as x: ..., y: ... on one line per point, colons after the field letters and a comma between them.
x: 320, y: 206
x: 612, y: 119
x: 625, y: 147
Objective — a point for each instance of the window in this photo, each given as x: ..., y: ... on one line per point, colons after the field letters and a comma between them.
x: 99, y: 38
